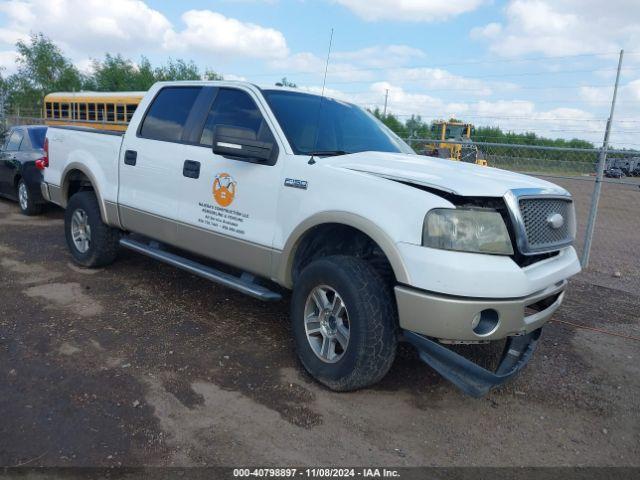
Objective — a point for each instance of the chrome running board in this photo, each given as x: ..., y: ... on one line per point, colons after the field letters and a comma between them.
x: 243, y: 284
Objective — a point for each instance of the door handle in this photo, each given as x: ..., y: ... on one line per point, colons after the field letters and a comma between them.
x: 191, y: 169
x: 130, y: 157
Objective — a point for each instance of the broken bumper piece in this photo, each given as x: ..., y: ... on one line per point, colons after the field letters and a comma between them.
x: 469, y: 377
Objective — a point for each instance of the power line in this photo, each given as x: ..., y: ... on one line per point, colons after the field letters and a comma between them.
x: 498, y: 75
x: 534, y: 118
x: 507, y: 117
x: 450, y: 64
x: 558, y: 102
x: 515, y: 87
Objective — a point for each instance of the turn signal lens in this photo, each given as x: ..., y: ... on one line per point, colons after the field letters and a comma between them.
x: 42, y: 163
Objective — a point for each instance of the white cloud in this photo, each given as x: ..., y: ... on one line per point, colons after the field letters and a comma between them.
x: 381, y: 56
x: 437, y: 78
x: 628, y: 95
x: 85, y: 65
x: 364, y: 64
x: 212, y: 32
x: 633, y: 90
x: 563, y: 27
x: 7, y: 62
x: 234, y: 78
x: 490, y: 30
x: 410, y: 10
x: 310, y: 64
x: 90, y: 27
x: 595, y: 95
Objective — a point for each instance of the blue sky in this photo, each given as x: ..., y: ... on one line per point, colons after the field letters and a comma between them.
x: 537, y: 65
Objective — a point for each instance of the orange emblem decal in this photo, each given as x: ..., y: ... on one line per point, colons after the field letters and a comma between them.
x: 224, y: 189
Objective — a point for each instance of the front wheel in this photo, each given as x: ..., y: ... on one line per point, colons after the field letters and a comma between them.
x: 344, y: 322
x: 91, y: 242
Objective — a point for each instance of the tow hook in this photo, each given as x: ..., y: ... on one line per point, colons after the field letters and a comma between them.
x: 469, y: 377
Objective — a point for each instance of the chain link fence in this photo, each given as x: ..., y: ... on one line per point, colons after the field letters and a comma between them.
x: 13, y: 120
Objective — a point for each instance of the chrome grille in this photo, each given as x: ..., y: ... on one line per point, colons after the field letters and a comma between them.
x: 536, y: 214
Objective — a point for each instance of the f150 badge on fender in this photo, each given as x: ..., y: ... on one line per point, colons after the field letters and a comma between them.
x: 224, y: 189
x: 295, y: 183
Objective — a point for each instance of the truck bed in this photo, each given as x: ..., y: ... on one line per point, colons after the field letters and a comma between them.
x: 94, y: 152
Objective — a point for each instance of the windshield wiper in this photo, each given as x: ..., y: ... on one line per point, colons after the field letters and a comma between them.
x: 327, y: 153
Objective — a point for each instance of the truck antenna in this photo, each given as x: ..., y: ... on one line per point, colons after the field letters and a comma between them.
x: 324, y: 84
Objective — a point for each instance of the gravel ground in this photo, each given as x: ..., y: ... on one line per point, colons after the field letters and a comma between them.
x: 142, y: 364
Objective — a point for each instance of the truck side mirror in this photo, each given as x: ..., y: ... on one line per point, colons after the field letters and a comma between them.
x: 240, y: 143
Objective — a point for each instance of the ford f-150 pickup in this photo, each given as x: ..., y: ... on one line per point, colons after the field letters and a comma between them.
x: 268, y: 190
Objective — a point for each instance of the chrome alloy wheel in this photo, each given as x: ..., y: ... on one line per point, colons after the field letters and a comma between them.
x: 326, y: 323
x: 81, y: 230
x: 23, y: 196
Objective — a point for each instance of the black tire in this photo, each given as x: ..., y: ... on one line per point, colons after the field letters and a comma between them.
x: 372, y: 319
x: 104, y: 240
x: 27, y: 206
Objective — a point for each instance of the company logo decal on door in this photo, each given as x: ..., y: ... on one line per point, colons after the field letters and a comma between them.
x: 224, y: 189
x: 219, y: 217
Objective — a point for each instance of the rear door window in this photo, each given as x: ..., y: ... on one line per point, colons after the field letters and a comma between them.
x: 167, y: 116
x: 37, y: 137
x: 14, y: 141
x: 236, y: 109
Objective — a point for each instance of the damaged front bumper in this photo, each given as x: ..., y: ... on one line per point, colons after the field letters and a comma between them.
x: 471, y: 378
x: 469, y: 319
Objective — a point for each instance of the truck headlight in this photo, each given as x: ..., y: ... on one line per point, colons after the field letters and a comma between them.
x: 466, y: 230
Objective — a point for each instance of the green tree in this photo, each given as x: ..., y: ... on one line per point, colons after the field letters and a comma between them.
x: 42, y: 68
x: 416, y: 128
x: 211, y: 75
x: 113, y: 74
x: 177, y: 70
x: 392, y: 122
x: 286, y: 83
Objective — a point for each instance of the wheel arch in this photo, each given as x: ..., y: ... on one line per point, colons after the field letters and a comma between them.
x: 285, y: 268
x: 16, y: 178
x: 76, y: 172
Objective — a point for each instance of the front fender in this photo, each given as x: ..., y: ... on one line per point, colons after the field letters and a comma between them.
x: 283, y: 266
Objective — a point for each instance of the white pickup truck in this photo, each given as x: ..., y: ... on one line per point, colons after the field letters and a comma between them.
x: 266, y: 190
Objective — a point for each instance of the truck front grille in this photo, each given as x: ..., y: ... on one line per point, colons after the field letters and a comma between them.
x: 538, y: 215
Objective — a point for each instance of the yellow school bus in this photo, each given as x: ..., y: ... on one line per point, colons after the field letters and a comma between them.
x: 102, y: 110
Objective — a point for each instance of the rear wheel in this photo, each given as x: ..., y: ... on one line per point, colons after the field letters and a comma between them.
x: 344, y: 322
x: 91, y: 242
x: 26, y: 203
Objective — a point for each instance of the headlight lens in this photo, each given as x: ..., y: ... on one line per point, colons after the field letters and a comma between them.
x: 466, y: 230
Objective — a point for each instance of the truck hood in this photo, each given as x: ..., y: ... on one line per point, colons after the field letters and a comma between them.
x: 460, y: 178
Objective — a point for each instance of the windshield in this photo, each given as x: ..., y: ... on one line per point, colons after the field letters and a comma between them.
x: 456, y: 131
x: 342, y: 127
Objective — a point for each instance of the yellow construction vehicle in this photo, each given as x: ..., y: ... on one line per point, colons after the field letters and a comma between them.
x: 463, y: 150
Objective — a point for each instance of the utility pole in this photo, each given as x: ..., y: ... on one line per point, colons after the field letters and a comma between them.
x: 386, y: 101
x: 599, y: 174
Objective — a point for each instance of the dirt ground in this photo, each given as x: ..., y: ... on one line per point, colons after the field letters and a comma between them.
x: 142, y: 364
